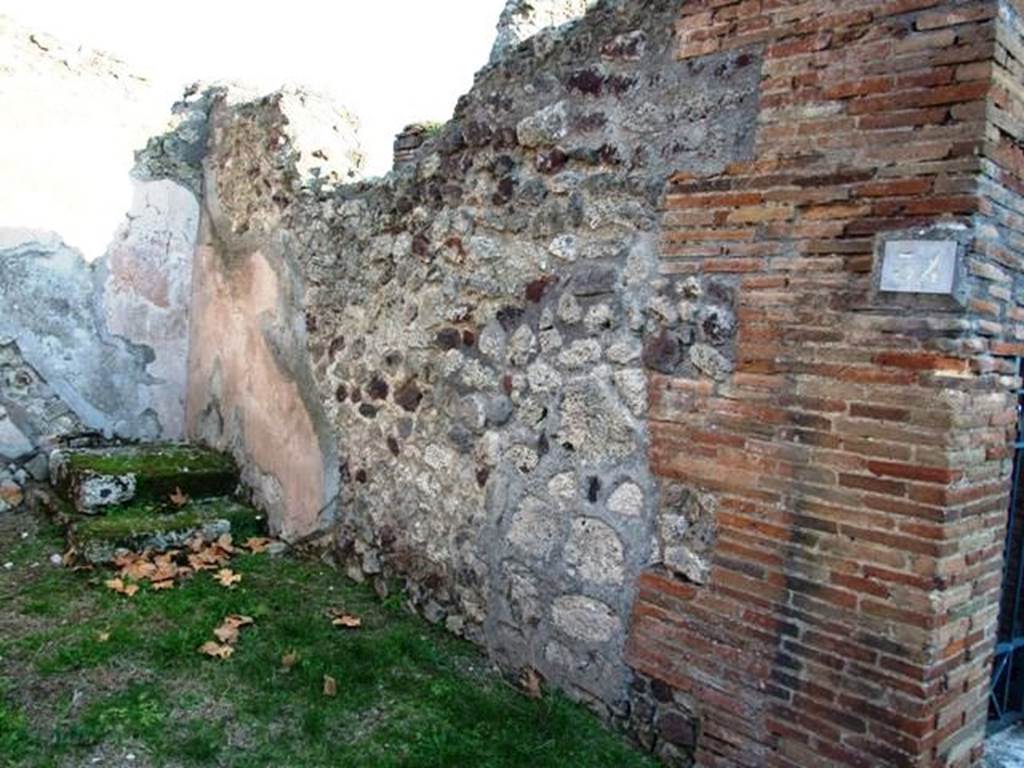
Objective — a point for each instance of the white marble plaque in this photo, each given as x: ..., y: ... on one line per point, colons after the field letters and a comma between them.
x: 919, y: 266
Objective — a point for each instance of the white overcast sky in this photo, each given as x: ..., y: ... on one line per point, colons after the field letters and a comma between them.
x: 392, y: 62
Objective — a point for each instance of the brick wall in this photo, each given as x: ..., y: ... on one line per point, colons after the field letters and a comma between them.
x: 859, y: 452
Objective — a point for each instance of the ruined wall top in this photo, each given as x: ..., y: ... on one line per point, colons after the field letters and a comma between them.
x: 522, y: 19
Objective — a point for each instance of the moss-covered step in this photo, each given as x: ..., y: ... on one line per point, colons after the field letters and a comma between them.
x: 142, y: 526
x: 97, y: 480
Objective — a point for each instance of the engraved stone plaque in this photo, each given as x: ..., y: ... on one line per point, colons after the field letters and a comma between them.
x: 919, y: 266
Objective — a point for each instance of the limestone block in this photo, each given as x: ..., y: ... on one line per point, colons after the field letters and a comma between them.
x: 534, y: 529
x: 585, y: 619
x: 594, y: 553
x: 627, y: 500
x: 710, y: 361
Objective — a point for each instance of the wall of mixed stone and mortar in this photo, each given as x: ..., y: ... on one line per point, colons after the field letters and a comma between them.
x: 603, y: 371
x: 477, y: 326
x: 504, y: 327
x: 476, y: 323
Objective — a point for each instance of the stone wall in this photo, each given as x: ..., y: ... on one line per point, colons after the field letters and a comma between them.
x: 476, y: 325
x: 522, y: 19
x: 604, y: 373
x: 608, y: 378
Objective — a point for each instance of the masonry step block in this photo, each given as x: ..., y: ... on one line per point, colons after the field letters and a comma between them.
x: 141, y: 526
x: 104, y: 480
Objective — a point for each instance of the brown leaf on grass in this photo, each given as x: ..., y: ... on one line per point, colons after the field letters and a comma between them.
x: 69, y: 557
x: 209, y: 558
x: 289, y: 660
x: 227, y: 632
x: 224, y: 542
x: 257, y: 544
x: 139, y: 569
x: 330, y: 686
x: 228, y: 578
x: 178, y: 498
x: 118, y: 585
x: 347, y: 621
x: 216, y: 650
x: 164, y: 573
x: 102, y: 637
x: 200, y: 563
x: 166, y: 559
x: 164, y: 567
x: 531, y: 682
x: 165, y: 584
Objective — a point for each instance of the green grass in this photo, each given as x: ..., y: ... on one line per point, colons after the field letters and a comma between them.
x: 15, y: 738
x: 86, y: 672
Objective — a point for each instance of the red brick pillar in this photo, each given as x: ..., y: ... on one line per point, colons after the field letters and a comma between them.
x: 858, y: 453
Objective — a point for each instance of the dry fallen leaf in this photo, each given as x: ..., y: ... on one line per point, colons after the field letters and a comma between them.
x: 138, y: 569
x: 257, y: 544
x: 69, y: 557
x: 102, y: 636
x: 228, y: 578
x: 227, y: 632
x: 164, y: 573
x: 330, y: 686
x: 531, y: 683
x: 224, y: 542
x: 217, y: 650
x: 289, y: 660
x: 209, y: 558
x: 165, y: 584
x: 178, y: 498
x: 166, y: 561
x: 200, y: 563
x: 347, y: 621
x: 120, y: 587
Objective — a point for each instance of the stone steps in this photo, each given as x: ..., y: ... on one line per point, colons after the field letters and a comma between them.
x: 146, y: 497
x: 138, y: 527
x: 98, y: 480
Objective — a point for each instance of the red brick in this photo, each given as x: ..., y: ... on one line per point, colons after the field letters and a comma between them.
x: 915, y: 472
x: 937, y: 19
x: 858, y: 451
x: 921, y: 361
